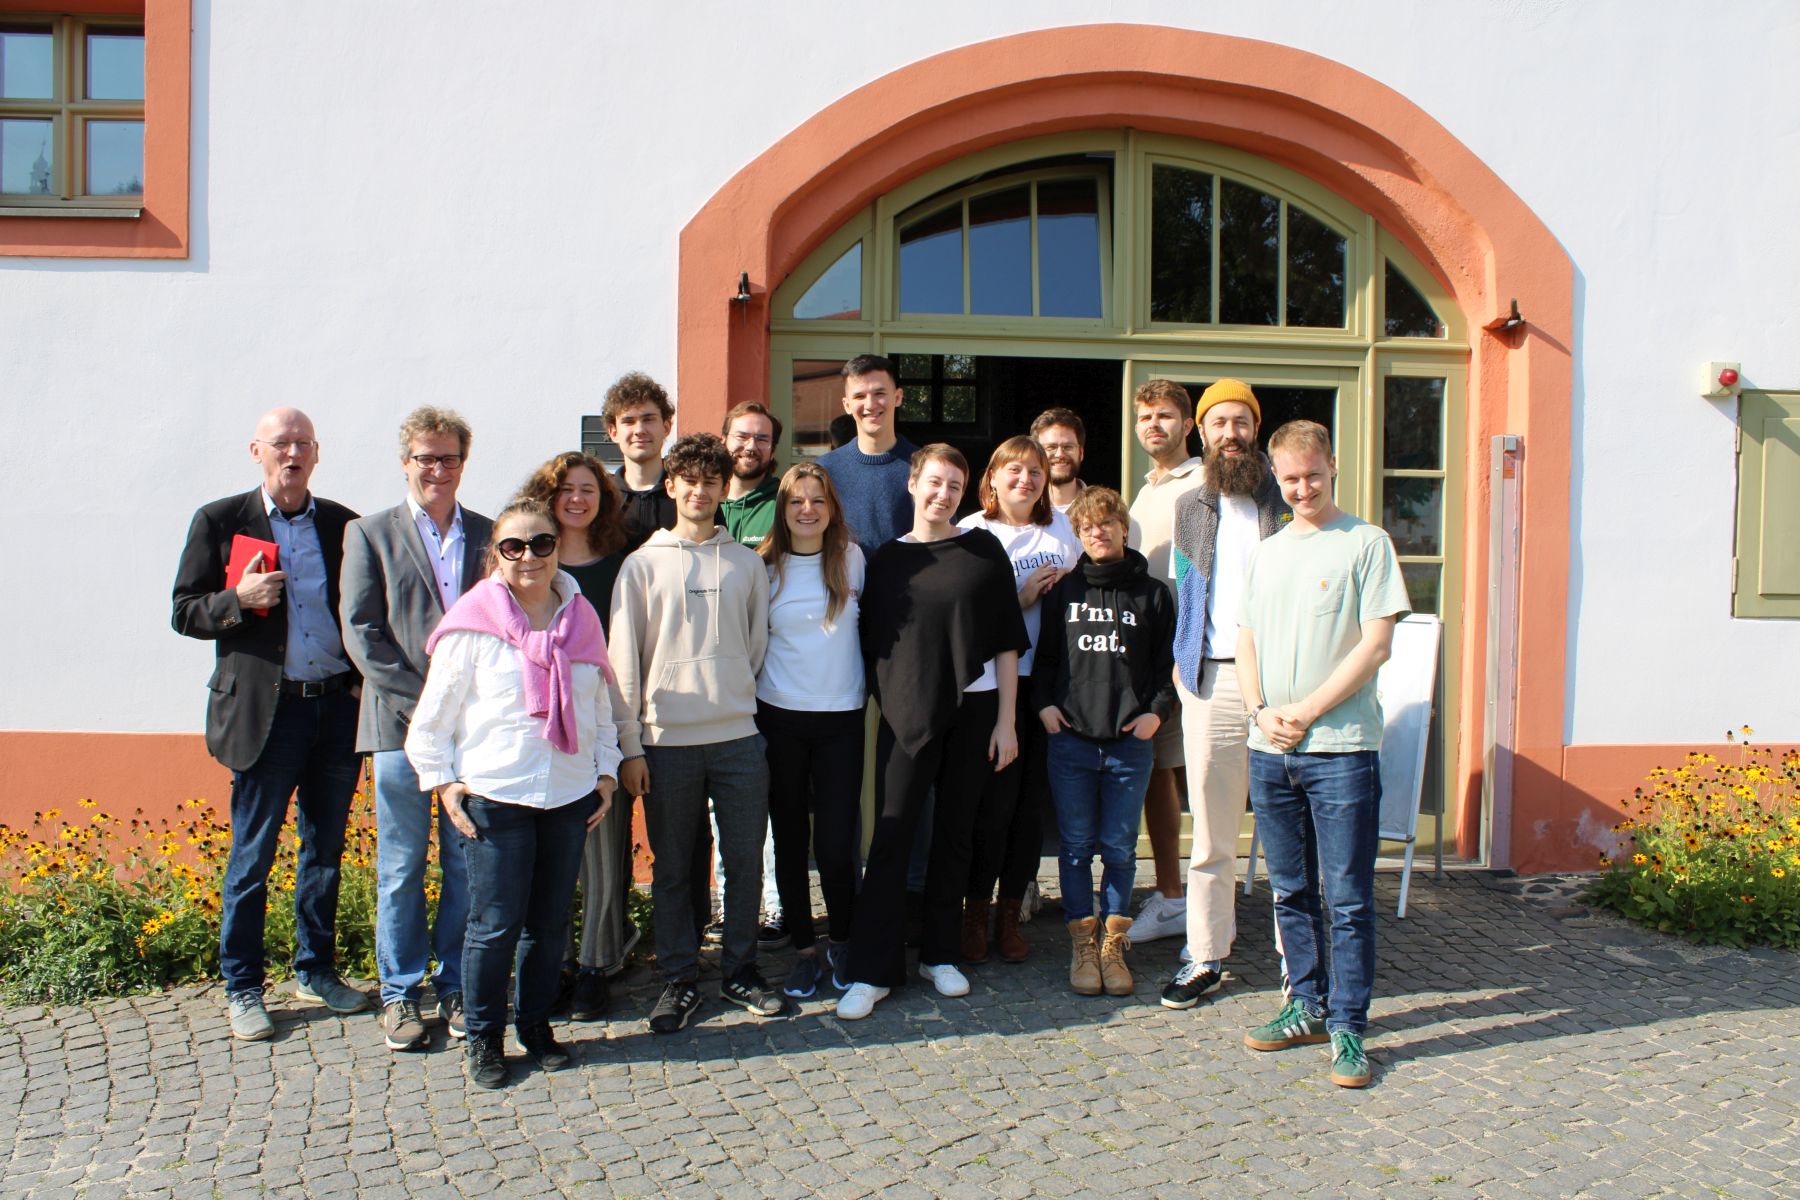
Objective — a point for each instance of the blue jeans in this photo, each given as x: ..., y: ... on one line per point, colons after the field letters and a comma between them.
x: 1098, y: 789
x: 1317, y: 817
x: 311, y: 751
x: 522, y: 867
x: 405, y: 941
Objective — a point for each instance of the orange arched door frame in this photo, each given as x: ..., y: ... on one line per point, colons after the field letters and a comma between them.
x: 1351, y: 134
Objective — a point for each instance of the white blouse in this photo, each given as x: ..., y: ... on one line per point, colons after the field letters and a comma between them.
x: 471, y: 726
x: 813, y: 665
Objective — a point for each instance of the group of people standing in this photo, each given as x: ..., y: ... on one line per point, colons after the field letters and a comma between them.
x: 729, y: 645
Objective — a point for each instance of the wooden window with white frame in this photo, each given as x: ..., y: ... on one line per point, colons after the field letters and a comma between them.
x: 71, y: 112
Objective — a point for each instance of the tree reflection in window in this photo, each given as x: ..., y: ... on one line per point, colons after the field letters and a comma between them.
x: 1180, y: 245
x: 938, y: 389
x: 1408, y: 314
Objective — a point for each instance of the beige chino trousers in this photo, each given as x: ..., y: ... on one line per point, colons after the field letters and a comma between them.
x: 1215, y: 728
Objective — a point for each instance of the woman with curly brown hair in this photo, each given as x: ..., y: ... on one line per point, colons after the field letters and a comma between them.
x: 590, y: 526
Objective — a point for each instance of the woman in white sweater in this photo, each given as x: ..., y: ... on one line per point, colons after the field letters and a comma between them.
x: 515, y: 732
x: 809, y: 708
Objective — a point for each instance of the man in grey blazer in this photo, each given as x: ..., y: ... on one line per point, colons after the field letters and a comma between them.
x: 402, y: 569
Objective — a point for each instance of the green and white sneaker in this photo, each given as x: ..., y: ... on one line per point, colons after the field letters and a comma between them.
x: 1349, y: 1065
x: 1294, y: 1025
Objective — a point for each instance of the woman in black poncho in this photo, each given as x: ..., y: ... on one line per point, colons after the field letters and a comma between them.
x: 937, y: 604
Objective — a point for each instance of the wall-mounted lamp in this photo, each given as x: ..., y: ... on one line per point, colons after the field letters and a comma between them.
x: 1720, y: 380
x: 743, y: 292
x: 1510, y: 323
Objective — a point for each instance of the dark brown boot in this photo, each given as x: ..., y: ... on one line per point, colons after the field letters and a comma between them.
x: 1007, y: 939
x: 975, y: 931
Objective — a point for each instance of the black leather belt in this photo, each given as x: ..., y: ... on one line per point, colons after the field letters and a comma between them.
x: 313, y: 688
x: 1229, y: 660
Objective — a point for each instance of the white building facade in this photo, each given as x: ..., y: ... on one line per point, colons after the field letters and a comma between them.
x: 358, y: 208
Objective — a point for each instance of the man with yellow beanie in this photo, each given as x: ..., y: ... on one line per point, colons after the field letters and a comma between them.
x: 1217, y: 524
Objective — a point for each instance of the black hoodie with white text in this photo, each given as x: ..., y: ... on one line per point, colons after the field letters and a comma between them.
x: 1106, y: 651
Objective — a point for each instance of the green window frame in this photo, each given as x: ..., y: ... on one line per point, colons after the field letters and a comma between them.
x: 1765, y: 577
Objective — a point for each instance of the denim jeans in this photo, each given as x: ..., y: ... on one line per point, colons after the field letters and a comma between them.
x: 311, y: 753
x: 405, y: 941
x: 522, y: 866
x: 736, y: 775
x: 1317, y: 816
x: 1098, y: 788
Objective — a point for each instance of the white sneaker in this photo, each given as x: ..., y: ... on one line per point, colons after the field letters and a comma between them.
x: 1160, y: 917
x: 860, y: 1000
x: 945, y: 978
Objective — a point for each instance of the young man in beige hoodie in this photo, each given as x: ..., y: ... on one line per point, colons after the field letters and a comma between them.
x: 690, y: 623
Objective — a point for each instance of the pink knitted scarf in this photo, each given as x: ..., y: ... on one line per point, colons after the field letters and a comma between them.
x: 545, y: 655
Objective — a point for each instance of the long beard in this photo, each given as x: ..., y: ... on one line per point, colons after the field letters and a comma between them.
x: 1239, y: 476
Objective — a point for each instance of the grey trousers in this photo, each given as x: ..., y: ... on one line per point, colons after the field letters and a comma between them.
x: 736, y: 775
x: 605, y: 878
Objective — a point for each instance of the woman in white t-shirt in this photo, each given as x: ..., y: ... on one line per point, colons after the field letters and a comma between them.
x: 1042, y: 547
x: 809, y: 709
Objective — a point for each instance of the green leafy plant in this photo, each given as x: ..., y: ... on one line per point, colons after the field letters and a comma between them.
x: 1712, y: 851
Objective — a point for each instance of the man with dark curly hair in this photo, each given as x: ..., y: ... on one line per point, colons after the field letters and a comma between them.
x: 638, y: 415
x: 690, y: 624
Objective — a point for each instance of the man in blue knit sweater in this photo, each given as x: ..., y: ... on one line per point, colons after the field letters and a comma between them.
x: 870, y: 473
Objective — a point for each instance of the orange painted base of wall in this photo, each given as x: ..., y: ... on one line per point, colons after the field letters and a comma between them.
x: 1568, y: 825
x: 123, y: 772
x: 1559, y: 823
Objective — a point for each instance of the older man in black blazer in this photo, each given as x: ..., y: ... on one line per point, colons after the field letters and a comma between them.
x: 281, y: 712
x: 402, y: 569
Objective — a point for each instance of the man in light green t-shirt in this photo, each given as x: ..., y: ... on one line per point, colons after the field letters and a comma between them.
x: 1315, y: 623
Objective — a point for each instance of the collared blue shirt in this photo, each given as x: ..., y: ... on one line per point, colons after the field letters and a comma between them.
x: 315, y: 649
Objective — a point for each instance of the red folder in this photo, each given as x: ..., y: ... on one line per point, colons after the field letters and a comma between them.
x: 243, y: 549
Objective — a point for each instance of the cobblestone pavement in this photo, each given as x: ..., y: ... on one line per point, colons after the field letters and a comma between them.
x: 1523, y: 1047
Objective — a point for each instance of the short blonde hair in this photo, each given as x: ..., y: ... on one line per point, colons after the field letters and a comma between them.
x: 1096, y: 506
x: 1301, y: 437
x: 427, y: 420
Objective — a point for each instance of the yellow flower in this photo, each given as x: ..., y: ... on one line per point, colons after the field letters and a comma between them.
x: 1605, y: 862
x: 1639, y: 860
x: 1693, y: 841
x: 1777, y: 872
x: 87, y: 803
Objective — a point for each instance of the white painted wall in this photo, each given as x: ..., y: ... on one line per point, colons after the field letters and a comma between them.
x: 466, y: 204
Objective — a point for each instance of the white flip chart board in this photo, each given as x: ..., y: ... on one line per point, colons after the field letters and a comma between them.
x: 1405, y: 685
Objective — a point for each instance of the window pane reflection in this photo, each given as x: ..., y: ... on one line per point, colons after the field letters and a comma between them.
x: 115, y: 158
x: 1408, y: 314
x: 1413, y: 424
x: 1412, y: 513
x: 818, y: 401
x: 1249, y: 244
x: 956, y: 366
x: 27, y: 157
x: 1315, y: 266
x: 837, y: 294
x: 1180, y: 245
x: 115, y: 66
x: 1424, y: 587
x: 1000, y: 253
x: 959, y: 404
x: 27, y: 65
x: 1068, y: 248
x: 931, y: 263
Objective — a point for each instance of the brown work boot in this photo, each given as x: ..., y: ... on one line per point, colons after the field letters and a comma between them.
x: 1084, y: 957
x: 1113, y: 971
x: 1007, y: 938
x: 975, y: 931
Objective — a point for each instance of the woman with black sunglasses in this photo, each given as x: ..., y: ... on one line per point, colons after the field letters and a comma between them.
x: 591, y: 546
x: 515, y: 731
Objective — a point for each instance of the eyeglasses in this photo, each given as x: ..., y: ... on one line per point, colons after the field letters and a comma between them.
x: 513, y: 549
x: 447, y: 461
x: 284, y: 447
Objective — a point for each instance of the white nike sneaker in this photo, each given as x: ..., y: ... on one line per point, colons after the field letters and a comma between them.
x: 1160, y: 917
x: 945, y: 978
x: 860, y: 1000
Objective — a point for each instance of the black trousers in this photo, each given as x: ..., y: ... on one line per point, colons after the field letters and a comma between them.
x: 1009, y: 831
x: 955, y: 762
x: 815, y: 771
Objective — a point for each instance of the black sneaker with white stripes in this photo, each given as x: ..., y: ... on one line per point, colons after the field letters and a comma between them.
x: 1193, y: 981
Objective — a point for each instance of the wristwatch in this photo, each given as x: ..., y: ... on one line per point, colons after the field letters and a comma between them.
x: 1256, y: 712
